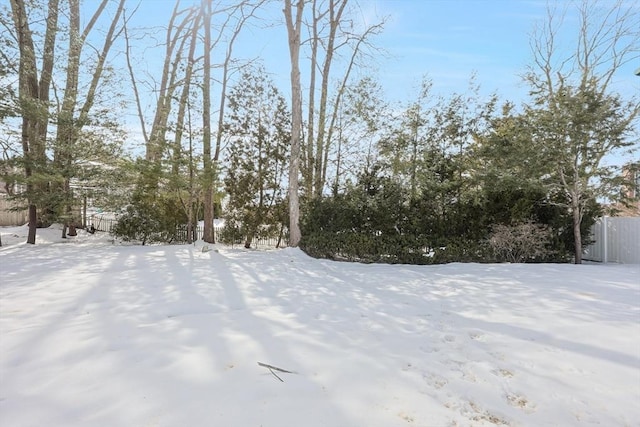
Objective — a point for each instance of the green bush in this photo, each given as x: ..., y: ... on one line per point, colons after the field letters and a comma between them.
x: 377, y: 220
x: 149, y: 220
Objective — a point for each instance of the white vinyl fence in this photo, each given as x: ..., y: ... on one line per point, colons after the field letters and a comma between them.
x: 617, y: 239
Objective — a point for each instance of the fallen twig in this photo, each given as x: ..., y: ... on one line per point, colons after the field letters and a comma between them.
x: 272, y: 368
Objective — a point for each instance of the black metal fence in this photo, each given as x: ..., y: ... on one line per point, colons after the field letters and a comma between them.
x: 101, y: 223
x: 181, y: 236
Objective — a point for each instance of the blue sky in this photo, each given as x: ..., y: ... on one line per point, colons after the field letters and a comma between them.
x: 446, y: 39
x: 449, y: 40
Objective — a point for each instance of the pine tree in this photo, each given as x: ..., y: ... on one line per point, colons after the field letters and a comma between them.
x: 258, y: 126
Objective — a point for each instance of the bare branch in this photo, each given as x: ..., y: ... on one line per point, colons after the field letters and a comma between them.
x: 134, y: 84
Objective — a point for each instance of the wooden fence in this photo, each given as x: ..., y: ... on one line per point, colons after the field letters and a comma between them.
x: 9, y: 216
x: 616, y: 239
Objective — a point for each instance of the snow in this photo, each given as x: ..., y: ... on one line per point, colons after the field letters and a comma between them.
x: 93, y: 333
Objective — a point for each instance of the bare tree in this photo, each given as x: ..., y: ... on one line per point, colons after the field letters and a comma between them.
x: 360, y: 41
x: 176, y: 79
x: 183, y: 108
x: 294, y: 24
x: 68, y: 125
x: 335, y: 12
x: 607, y: 39
x: 191, y: 29
x: 580, y: 121
x: 208, y: 172
x: 183, y: 103
x: 176, y: 38
x: 331, y: 31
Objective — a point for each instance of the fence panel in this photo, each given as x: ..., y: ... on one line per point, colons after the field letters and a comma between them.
x: 10, y: 217
x: 102, y: 223
x: 617, y: 239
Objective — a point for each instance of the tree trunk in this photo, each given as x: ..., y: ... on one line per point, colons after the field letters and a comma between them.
x: 322, y: 142
x: 209, y: 233
x: 184, y: 98
x: 34, y: 99
x: 308, y: 159
x: 68, y: 128
x: 293, y: 31
x: 33, y: 220
x: 577, y: 235
x: 175, y: 41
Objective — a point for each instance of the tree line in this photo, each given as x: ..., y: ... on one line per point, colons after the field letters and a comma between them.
x: 338, y: 168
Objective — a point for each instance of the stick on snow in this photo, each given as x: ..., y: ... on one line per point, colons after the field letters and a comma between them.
x: 272, y: 368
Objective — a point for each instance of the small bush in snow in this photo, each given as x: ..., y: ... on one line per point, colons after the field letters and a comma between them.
x: 149, y: 220
x: 523, y: 242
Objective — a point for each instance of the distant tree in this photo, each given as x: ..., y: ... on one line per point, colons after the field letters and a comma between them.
x: 407, y: 138
x: 258, y: 129
x: 362, y: 116
x: 428, y: 149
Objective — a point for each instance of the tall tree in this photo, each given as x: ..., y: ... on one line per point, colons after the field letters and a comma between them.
x: 580, y: 119
x: 70, y: 124
x: 208, y: 172
x: 237, y: 15
x: 294, y: 23
x: 34, y: 99
x: 333, y: 16
x: 258, y: 129
x: 184, y: 183
x: 48, y: 180
x: 192, y: 39
x: 580, y: 127
x: 331, y: 32
x: 177, y: 35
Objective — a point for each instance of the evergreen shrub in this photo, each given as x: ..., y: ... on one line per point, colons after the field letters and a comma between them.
x: 149, y: 220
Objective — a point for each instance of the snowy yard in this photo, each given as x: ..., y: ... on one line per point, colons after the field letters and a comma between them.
x: 95, y: 334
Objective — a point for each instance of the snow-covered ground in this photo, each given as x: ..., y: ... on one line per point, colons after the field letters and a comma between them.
x: 99, y: 334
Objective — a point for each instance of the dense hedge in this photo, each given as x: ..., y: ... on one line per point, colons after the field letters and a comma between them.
x: 395, y: 249
x: 376, y: 220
